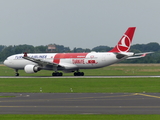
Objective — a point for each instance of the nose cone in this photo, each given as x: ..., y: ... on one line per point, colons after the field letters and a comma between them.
x: 9, y: 62
x: 5, y: 62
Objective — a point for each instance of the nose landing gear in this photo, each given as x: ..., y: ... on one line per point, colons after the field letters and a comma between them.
x: 16, y: 72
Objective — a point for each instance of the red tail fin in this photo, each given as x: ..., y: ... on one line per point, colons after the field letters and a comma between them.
x: 125, y: 42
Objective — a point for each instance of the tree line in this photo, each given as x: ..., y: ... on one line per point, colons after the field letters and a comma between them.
x: 6, y: 51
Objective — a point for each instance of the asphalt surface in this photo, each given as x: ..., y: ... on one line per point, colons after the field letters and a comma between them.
x: 80, y: 103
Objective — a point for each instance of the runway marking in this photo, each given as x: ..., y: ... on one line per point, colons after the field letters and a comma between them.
x: 101, y: 97
x: 71, y: 99
x: 147, y: 95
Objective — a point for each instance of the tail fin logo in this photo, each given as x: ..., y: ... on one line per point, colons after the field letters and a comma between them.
x: 124, y: 44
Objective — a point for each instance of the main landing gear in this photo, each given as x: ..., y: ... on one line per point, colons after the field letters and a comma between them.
x: 57, y: 74
x: 61, y: 74
x: 79, y: 74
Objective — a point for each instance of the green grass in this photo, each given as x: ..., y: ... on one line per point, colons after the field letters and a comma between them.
x: 80, y: 117
x: 80, y: 85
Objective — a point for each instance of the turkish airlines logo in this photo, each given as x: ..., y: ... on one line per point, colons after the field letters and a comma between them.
x: 124, y: 44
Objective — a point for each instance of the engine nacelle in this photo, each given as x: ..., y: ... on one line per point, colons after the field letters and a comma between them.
x: 31, y: 68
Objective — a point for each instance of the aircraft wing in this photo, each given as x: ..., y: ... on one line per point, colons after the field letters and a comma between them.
x: 38, y: 61
x: 43, y: 63
x: 139, y: 55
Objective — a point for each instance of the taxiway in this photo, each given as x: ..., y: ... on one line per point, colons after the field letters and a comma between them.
x: 80, y: 103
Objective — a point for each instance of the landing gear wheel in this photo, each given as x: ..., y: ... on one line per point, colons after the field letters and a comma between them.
x: 57, y: 74
x: 60, y: 74
x: 16, y: 74
x: 82, y: 73
x: 79, y: 74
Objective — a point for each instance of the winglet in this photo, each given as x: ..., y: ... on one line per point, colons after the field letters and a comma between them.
x: 125, y: 42
x: 25, y: 54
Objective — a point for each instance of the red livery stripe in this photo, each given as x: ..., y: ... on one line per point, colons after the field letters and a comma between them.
x: 59, y: 56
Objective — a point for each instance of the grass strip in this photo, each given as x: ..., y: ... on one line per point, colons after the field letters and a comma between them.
x: 79, y: 117
x: 80, y: 85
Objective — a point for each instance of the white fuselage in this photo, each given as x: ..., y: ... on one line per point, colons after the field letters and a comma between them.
x: 79, y: 60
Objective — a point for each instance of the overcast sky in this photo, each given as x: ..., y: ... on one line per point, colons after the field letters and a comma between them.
x: 78, y: 23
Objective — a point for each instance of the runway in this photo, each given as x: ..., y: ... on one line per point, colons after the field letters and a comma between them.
x: 80, y: 103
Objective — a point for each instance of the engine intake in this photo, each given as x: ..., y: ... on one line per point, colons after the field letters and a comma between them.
x: 31, y: 68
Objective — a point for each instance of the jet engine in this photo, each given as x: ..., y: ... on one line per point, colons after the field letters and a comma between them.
x: 31, y: 68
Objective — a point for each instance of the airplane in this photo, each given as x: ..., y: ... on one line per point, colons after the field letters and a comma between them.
x: 73, y: 62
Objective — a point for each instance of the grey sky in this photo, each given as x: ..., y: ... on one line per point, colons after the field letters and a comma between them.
x: 78, y: 23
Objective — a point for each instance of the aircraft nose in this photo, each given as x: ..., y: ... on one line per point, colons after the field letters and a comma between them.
x: 5, y: 62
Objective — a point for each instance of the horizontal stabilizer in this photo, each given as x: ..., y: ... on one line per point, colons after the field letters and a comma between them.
x: 139, y: 55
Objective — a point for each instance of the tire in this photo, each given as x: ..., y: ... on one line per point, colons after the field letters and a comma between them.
x: 75, y: 74
x: 82, y: 74
x: 16, y: 74
x: 60, y: 74
x: 79, y: 74
x: 57, y: 74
